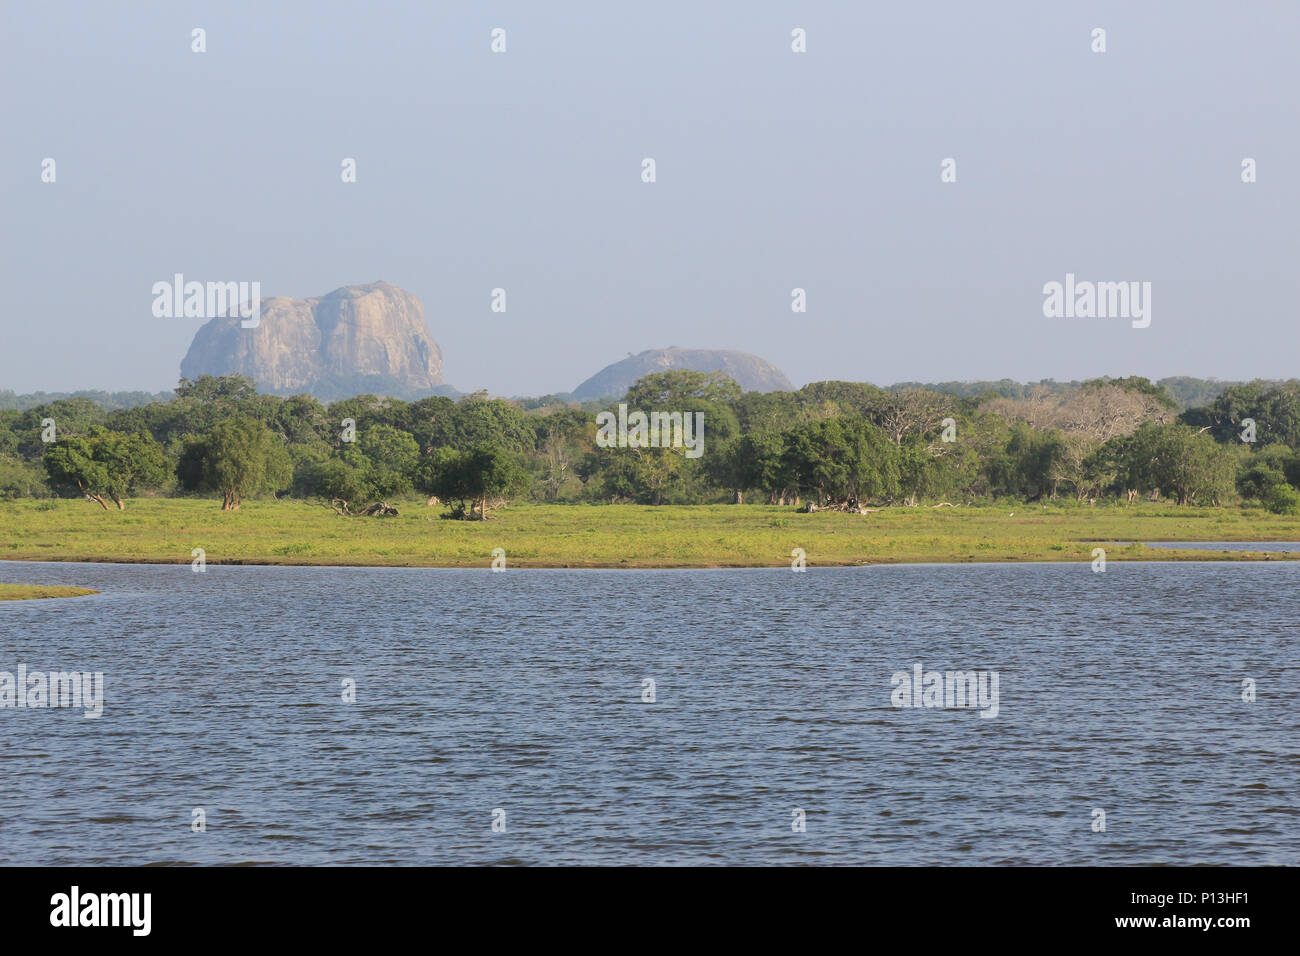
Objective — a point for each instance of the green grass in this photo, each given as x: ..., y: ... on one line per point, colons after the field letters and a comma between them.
x: 631, y: 536
x: 25, y: 592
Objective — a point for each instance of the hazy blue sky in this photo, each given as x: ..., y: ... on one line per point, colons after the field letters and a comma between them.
x: 775, y: 170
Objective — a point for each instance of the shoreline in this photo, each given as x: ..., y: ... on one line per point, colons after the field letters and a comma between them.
x: 298, y: 534
x: 1148, y: 556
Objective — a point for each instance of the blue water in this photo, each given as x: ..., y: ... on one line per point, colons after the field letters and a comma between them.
x: 522, y: 691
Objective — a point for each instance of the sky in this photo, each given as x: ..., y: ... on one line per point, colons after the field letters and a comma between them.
x: 775, y: 170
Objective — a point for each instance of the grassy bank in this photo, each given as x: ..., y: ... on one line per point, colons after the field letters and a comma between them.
x: 25, y: 592
x: 295, y: 532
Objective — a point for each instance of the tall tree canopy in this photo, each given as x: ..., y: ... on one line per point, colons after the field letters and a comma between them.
x: 107, y: 464
x: 236, y: 458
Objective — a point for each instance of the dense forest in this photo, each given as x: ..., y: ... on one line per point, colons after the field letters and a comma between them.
x: 841, y: 445
x: 1186, y: 392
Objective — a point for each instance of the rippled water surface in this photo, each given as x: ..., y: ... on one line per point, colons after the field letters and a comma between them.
x: 522, y: 691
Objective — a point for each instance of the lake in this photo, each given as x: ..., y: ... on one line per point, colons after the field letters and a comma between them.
x: 523, y: 692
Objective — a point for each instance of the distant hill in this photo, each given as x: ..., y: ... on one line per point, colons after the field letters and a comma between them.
x: 750, y: 372
x: 110, y: 401
x: 357, y: 339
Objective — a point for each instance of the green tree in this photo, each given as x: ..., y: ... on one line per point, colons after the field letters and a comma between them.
x: 1281, y: 499
x: 72, y: 418
x: 1273, y: 406
x: 1262, y: 470
x: 387, y: 458
x: 336, y: 479
x: 1179, y: 459
x: 106, y: 464
x: 471, y: 477
x: 645, y: 475
x: 301, y: 419
x: 1023, y: 467
x: 676, y: 388
x: 478, y: 420
x: 842, y: 398
x: 842, y: 461
x: 21, y: 479
x: 237, y: 458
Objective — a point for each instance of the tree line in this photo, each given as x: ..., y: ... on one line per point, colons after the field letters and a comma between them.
x: 828, y: 445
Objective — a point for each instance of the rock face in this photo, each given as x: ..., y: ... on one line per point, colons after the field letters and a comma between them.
x: 357, y: 335
x: 750, y: 372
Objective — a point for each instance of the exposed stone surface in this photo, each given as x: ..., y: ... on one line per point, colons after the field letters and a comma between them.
x: 372, y: 332
x: 752, y: 373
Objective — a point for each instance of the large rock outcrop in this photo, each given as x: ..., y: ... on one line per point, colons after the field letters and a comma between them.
x: 750, y: 372
x: 360, y: 337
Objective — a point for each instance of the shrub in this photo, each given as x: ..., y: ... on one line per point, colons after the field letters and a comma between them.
x: 1281, y: 499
